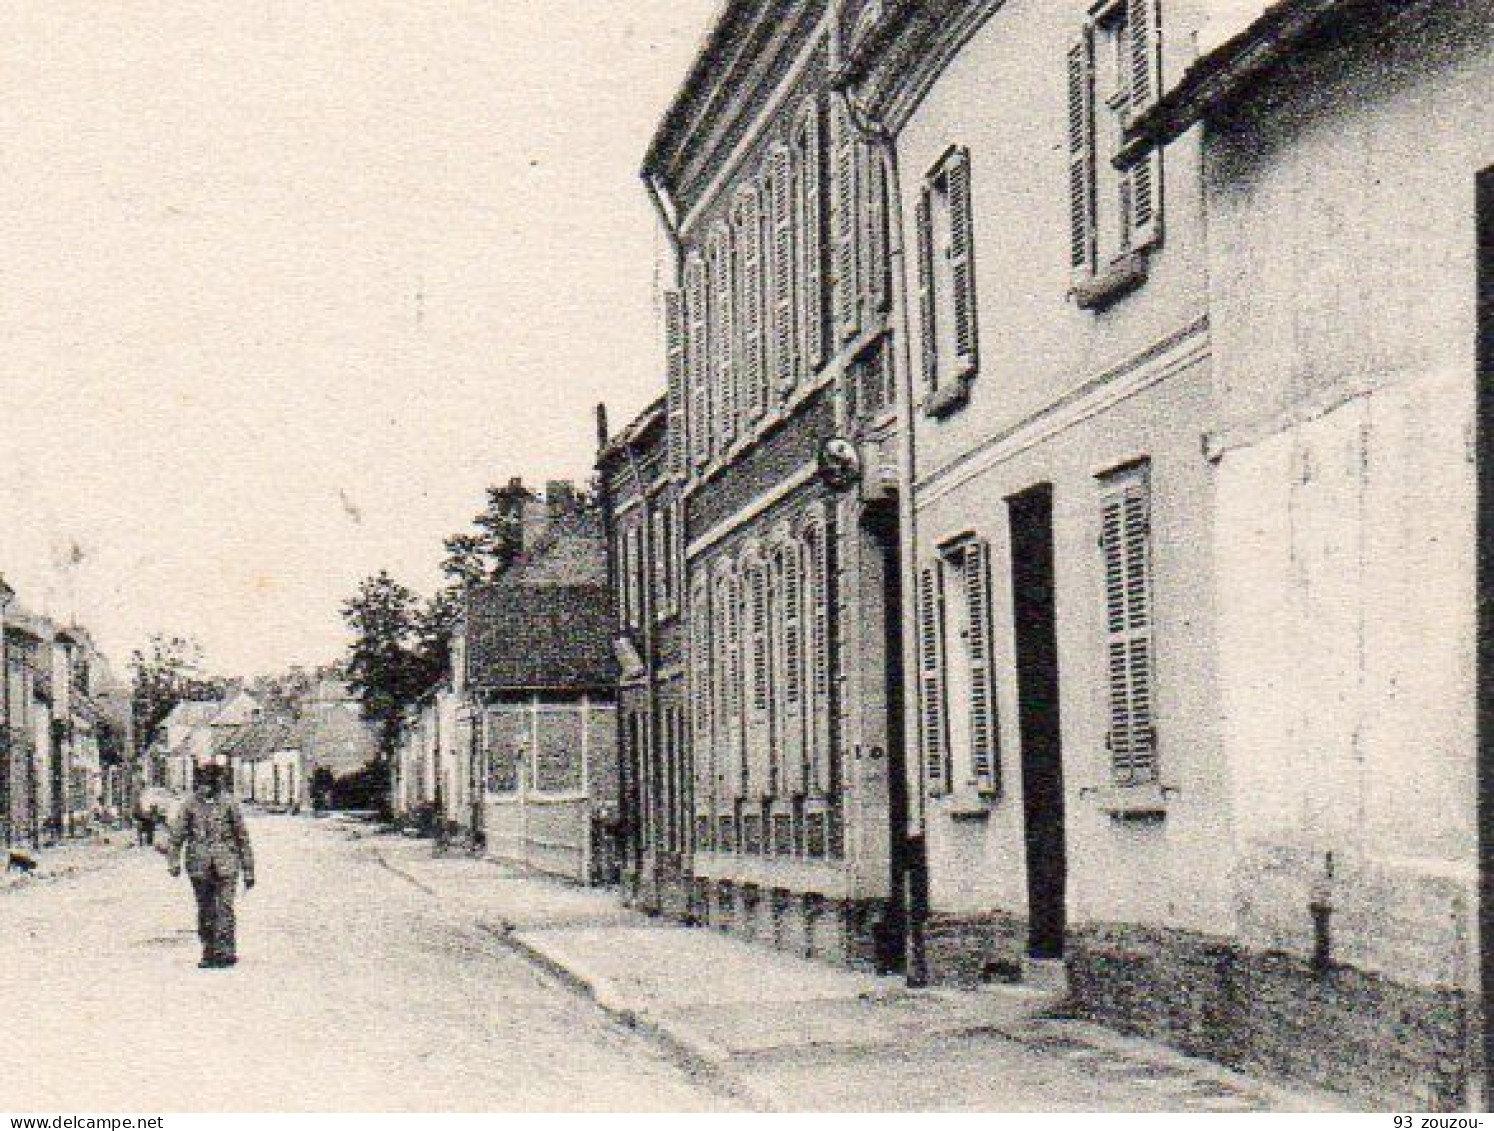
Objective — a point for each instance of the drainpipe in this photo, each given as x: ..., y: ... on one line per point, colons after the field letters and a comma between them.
x: 880, y: 137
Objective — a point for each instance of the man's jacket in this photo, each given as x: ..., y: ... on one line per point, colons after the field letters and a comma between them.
x: 216, y: 842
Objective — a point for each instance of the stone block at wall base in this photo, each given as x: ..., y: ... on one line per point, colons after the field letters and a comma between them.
x: 1383, y: 1043
x: 836, y: 932
x: 969, y: 950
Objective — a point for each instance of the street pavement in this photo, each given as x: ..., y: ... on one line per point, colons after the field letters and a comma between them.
x: 377, y: 976
x: 355, y: 992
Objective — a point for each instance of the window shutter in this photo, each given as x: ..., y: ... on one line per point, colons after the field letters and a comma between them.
x: 735, y: 702
x: 933, y: 729
x: 1082, y: 157
x: 755, y: 601
x: 878, y: 280
x: 817, y: 570
x: 984, y: 740
x: 698, y: 359
x: 749, y: 236
x: 674, y: 367
x: 843, y: 281
x: 785, y: 363
x: 723, y: 338
x: 1125, y: 541
x: 793, y: 668
x: 962, y: 264
x: 1143, y: 27
x: 700, y: 670
x: 811, y: 241
x: 928, y: 330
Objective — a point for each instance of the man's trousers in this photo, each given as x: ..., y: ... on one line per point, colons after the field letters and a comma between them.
x: 215, y: 919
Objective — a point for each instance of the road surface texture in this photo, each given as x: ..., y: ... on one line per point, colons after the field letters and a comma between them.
x: 375, y: 976
x: 355, y: 992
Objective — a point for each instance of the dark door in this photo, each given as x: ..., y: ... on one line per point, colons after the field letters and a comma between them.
x: 882, y: 523
x: 1031, y: 516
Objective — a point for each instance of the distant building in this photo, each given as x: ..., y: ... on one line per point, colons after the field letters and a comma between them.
x: 534, y: 670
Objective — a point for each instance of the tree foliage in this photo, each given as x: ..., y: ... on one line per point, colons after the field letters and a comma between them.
x: 383, y: 664
x: 167, y: 671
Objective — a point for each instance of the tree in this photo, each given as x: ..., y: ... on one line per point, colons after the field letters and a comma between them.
x: 166, y: 672
x: 474, y: 557
x: 384, y: 665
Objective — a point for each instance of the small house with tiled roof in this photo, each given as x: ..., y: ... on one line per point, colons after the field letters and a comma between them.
x: 535, y: 676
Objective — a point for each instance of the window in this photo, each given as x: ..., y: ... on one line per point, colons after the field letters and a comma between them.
x: 817, y: 609
x: 666, y: 536
x: 946, y: 282
x: 778, y: 231
x: 846, y: 171
x: 699, y: 372
x: 1125, y: 545
x: 1114, y: 214
x: 677, y: 375
x: 747, y: 233
x: 808, y: 158
x: 723, y: 338
x: 707, y: 758
x: 956, y: 678
x: 633, y: 566
x: 759, y: 674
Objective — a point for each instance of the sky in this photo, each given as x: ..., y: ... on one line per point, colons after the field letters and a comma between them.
x: 284, y: 287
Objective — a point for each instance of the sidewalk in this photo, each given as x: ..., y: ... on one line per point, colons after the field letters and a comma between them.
x: 782, y: 1033
x: 66, y: 858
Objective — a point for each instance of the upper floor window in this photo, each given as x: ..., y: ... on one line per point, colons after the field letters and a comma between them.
x: 1114, y: 214
x: 807, y: 158
x: 946, y: 282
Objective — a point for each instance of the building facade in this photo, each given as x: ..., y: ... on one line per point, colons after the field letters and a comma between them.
x: 1190, y: 340
x: 1345, y: 147
x: 641, y: 500
x: 782, y: 427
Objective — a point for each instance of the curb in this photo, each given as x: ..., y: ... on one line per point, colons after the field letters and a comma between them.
x: 703, y: 1059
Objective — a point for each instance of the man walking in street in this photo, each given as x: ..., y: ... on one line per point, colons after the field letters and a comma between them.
x: 210, y: 830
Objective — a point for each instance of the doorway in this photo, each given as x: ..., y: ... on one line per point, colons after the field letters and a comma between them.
x: 1035, y: 620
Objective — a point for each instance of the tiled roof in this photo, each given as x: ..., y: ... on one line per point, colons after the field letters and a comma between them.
x: 260, y: 739
x: 540, y: 637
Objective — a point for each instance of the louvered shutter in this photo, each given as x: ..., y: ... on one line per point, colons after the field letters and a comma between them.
x: 1143, y: 179
x: 702, y: 686
x: 817, y: 585
x: 674, y: 365
x: 844, y: 283
x: 698, y: 353
x: 811, y: 225
x: 735, y: 700
x: 878, y: 278
x: 962, y: 265
x: 792, y: 600
x: 784, y: 340
x: 723, y: 338
x: 749, y: 239
x: 927, y: 328
x: 755, y: 608
x: 1125, y: 541
x: 1081, y: 138
x: 984, y: 740
x: 933, y: 729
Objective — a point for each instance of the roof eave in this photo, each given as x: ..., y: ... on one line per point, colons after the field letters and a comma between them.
x: 1220, y: 78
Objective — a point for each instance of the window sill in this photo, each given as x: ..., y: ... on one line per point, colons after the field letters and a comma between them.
x: 1124, y: 274
x: 1147, y: 802
x: 967, y: 805
x: 947, y: 398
